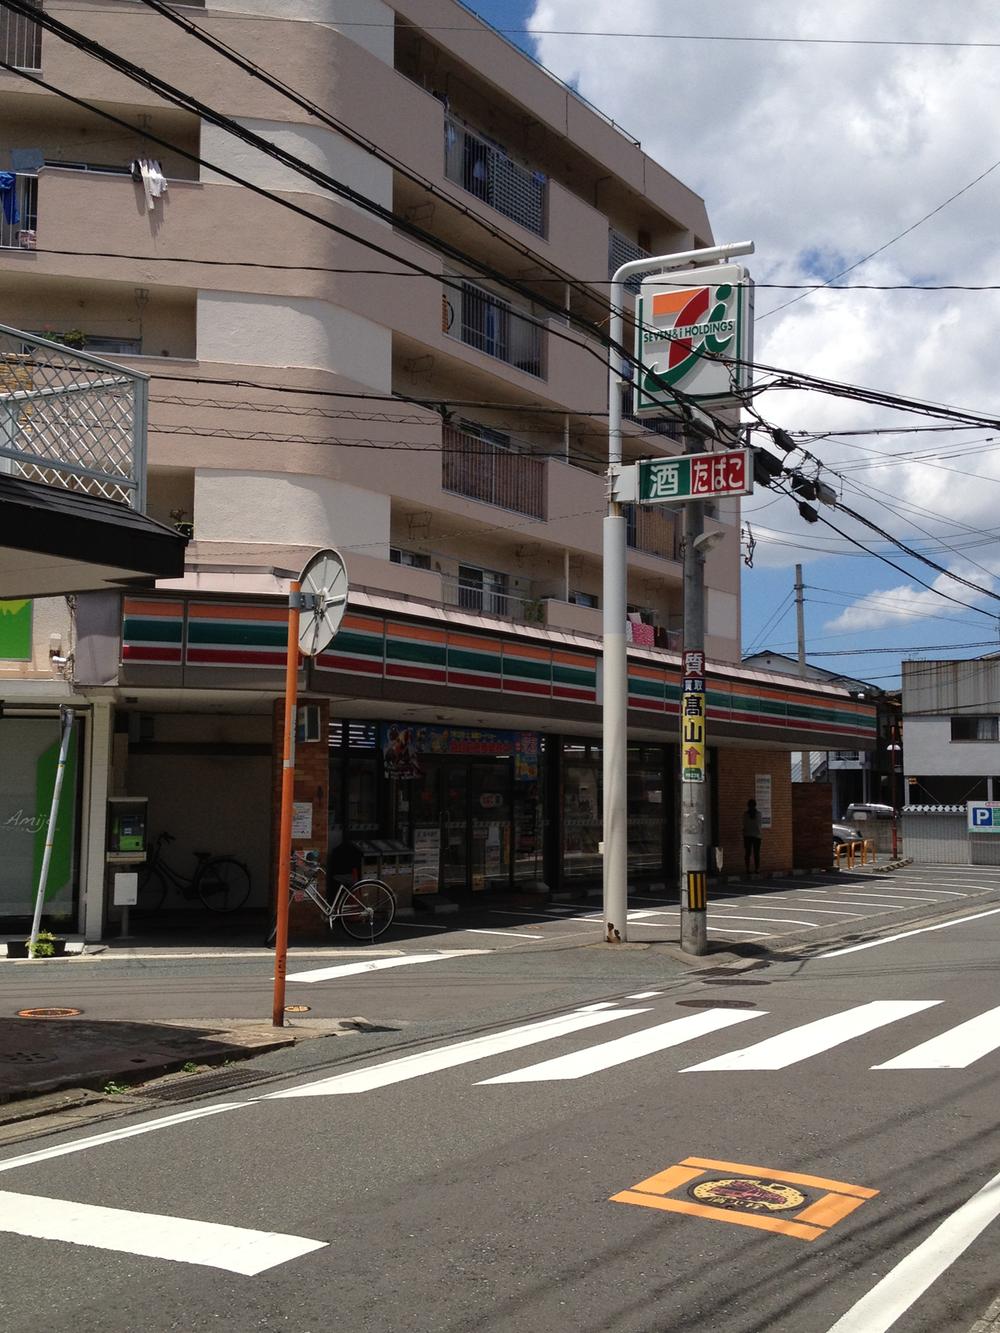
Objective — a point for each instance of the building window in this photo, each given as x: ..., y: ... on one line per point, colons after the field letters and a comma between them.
x: 413, y: 559
x: 975, y: 729
x: 482, y: 590
x: 584, y: 599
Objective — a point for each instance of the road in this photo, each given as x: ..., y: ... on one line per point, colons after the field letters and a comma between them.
x: 603, y: 1145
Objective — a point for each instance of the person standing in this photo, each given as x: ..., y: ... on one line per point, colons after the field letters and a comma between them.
x: 752, y: 830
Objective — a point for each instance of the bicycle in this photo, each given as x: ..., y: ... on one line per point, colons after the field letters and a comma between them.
x: 221, y: 882
x: 365, y: 908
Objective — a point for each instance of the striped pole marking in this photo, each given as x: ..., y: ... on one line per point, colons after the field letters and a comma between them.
x: 697, y: 894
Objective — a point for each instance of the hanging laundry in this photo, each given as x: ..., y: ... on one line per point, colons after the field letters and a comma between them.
x: 149, y: 172
x: 27, y: 160
x: 8, y: 197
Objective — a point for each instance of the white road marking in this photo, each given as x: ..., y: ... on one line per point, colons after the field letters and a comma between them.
x: 904, y: 935
x: 236, y: 1249
x: 734, y: 916
x: 902, y: 897
x: 113, y: 1135
x: 510, y: 934
x: 799, y: 1043
x: 376, y: 965
x: 644, y: 995
x: 738, y: 930
x: 951, y: 893
x: 956, y: 1049
x: 632, y: 1047
x: 889, y: 1299
x: 459, y: 1053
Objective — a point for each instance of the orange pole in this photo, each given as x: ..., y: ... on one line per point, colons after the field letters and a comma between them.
x: 287, y: 792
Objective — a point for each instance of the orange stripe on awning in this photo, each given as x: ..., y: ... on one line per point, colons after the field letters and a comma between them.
x: 229, y: 611
x: 474, y: 642
x: 135, y: 607
x: 523, y: 650
x: 360, y: 623
x: 574, y: 660
x: 422, y: 632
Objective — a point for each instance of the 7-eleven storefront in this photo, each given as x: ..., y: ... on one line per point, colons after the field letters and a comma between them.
x: 462, y: 758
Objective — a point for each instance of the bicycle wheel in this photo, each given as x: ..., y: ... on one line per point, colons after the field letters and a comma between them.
x: 223, y: 884
x: 152, y: 891
x: 366, y: 909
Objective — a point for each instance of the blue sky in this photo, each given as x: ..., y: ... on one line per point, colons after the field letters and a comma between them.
x: 892, y: 164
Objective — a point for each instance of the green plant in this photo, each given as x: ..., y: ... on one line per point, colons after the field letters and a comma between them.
x: 114, y: 1089
x: 42, y: 948
x: 534, y: 612
x: 189, y: 1067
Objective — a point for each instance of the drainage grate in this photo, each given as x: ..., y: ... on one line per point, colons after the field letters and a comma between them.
x: 197, y: 1085
x: 735, y: 981
x: 717, y: 1004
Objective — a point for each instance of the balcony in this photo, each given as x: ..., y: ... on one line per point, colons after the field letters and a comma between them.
x: 649, y: 529
x: 20, y: 40
x: 623, y: 251
x: 71, y: 421
x: 485, y: 171
x: 493, y: 473
x: 19, y: 215
x: 486, y: 322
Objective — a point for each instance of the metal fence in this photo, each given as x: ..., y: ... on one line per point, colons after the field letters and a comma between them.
x: 938, y: 835
x: 71, y: 420
x: 651, y: 530
x: 20, y: 40
x: 484, y: 470
x: 621, y: 250
x: 485, y: 170
x: 19, y: 213
x: 492, y: 325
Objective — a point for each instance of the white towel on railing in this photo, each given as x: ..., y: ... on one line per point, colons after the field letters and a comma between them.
x: 154, y: 183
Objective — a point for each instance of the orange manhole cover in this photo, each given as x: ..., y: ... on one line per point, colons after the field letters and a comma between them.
x: 297, y: 1008
x: 49, y: 1013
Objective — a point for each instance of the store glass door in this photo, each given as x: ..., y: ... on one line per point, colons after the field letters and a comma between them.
x: 490, y: 824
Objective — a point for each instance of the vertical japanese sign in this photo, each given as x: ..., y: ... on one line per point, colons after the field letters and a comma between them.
x: 693, y: 718
x: 762, y: 794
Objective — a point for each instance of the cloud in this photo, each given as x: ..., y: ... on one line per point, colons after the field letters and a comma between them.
x: 822, y: 154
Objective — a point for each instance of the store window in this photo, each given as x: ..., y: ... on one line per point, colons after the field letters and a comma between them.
x: 581, y: 813
x: 30, y: 747
x: 647, y: 809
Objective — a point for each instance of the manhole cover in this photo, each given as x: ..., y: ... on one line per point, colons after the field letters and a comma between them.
x: 748, y: 1194
x: 717, y: 1004
x: 49, y: 1013
x: 297, y: 1008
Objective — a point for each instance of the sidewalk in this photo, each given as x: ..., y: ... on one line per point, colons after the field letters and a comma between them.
x: 44, y: 1055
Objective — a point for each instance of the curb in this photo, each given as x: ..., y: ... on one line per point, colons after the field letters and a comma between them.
x: 990, y: 1322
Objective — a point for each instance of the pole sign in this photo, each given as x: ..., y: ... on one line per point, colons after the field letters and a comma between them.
x: 694, y: 477
x: 693, y: 718
x: 693, y: 336
x: 983, y: 816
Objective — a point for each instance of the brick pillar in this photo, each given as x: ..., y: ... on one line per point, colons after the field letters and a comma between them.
x: 737, y: 770
x: 312, y: 787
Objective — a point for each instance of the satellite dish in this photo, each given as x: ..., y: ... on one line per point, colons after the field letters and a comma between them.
x: 324, y: 600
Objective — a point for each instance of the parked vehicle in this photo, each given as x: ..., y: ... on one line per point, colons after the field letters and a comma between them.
x: 864, y: 811
x: 845, y: 833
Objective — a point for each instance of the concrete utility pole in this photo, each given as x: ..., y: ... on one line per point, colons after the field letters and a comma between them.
x: 800, y: 624
x: 694, y: 805
x: 615, y: 591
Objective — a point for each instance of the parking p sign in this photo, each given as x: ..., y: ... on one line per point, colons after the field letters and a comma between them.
x: 983, y: 816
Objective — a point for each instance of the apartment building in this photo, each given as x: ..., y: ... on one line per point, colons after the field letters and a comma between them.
x: 351, y: 371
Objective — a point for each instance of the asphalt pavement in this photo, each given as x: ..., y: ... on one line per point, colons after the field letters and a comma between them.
x: 573, y: 1136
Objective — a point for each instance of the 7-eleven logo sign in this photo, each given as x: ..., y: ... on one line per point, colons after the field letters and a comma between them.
x: 680, y: 333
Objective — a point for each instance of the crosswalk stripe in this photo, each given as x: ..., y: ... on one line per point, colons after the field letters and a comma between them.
x: 956, y: 1049
x: 799, y: 1043
x: 377, y: 964
x: 459, y: 1053
x: 631, y: 1047
x: 236, y: 1249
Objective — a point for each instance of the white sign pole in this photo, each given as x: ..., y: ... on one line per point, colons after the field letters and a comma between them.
x: 614, y: 656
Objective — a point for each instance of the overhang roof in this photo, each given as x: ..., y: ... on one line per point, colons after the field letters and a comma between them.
x: 55, y: 541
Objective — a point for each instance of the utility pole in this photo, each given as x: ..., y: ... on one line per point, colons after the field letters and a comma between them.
x: 693, y: 870
x: 614, y: 727
x: 800, y: 624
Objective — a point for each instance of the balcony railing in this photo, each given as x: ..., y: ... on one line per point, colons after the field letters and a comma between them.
x: 483, y: 470
x: 488, y: 173
x: 623, y: 251
x: 484, y: 321
x: 19, y: 212
x: 71, y: 420
x: 20, y: 40
x: 652, y: 531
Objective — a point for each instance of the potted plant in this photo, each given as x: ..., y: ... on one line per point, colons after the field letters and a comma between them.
x: 47, y: 945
